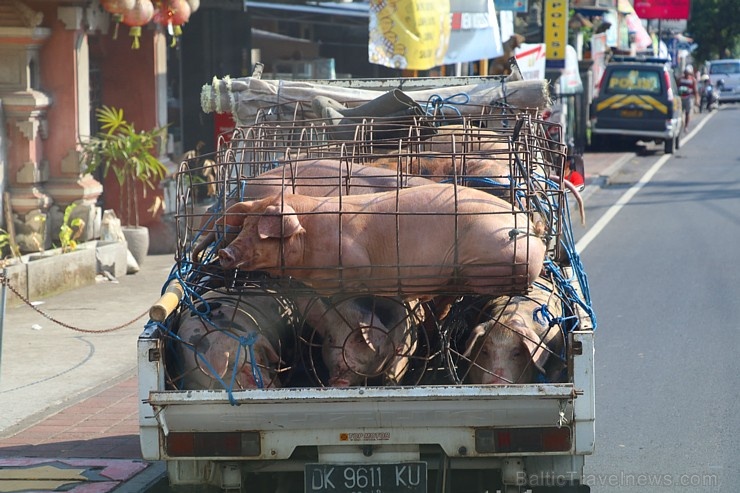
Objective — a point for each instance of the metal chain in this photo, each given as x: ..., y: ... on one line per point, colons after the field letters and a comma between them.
x: 6, y: 281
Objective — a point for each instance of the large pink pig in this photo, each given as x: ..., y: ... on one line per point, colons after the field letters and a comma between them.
x: 515, y: 341
x: 243, y: 340
x: 416, y: 242
x: 317, y: 178
x: 364, y: 337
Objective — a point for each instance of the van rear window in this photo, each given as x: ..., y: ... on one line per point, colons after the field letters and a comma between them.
x: 633, y: 80
x: 724, y: 68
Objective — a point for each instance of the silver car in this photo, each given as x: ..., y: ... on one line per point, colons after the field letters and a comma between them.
x: 725, y: 77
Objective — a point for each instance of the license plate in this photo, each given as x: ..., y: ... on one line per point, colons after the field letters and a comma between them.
x: 631, y: 113
x: 402, y: 477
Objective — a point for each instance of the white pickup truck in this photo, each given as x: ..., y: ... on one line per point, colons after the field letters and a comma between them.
x: 417, y: 436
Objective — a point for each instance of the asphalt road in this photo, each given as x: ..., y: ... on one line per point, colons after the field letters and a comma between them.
x: 662, y: 263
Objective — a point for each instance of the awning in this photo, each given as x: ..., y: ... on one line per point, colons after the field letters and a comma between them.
x: 352, y: 9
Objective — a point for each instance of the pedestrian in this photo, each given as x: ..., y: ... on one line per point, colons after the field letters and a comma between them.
x: 689, y: 92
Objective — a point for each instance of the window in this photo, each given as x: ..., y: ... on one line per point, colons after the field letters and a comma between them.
x: 724, y: 68
x: 634, y: 81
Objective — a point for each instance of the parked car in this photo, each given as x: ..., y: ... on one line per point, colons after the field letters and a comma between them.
x: 725, y: 77
x: 637, y: 100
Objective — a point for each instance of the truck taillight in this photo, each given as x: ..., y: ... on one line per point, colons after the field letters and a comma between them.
x: 516, y: 440
x: 225, y: 444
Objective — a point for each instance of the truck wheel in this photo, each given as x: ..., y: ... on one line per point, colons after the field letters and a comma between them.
x: 670, y: 145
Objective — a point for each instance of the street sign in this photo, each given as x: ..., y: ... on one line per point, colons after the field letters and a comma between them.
x: 556, y: 32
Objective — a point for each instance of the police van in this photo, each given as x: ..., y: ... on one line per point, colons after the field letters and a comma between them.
x: 637, y: 99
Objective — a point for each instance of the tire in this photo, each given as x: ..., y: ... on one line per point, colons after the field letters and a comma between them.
x: 678, y: 141
x: 598, y: 142
x: 670, y: 145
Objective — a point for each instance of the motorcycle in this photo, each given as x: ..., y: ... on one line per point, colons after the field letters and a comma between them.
x: 708, y: 98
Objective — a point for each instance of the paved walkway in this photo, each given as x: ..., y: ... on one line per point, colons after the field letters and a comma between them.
x: 68, y: 399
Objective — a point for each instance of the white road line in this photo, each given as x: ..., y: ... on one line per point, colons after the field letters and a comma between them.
x: 592, y: 233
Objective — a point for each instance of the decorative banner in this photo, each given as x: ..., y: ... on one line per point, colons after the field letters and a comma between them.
x: 570, y: 79
x: 598, y: 55
x: 511, y: 5
x: 663, y: 9
x: 641, y: 39
x: 531, y: 60
x: 556, y: 32
x: 475, y: 33
x: 409, y: 34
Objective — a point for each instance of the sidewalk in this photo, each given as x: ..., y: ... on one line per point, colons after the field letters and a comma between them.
x: 72, y: 394
x: 68, y: 395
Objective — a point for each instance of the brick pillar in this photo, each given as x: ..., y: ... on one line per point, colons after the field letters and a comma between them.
x: 65, y: 72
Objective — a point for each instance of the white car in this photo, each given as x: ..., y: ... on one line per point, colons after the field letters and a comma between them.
x: 725, y: 77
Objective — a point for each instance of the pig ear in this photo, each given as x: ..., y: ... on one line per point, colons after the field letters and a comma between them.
x: 234, y: 215
x: 276, y: 224
x: 475, y: 334
x: 536, y: 348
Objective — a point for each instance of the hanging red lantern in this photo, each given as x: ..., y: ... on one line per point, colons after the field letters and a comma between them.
x: 117, y: 8
x: 138, y: 16
x: 172, y: 14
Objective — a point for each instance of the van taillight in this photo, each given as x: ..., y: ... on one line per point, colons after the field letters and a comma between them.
x: 516, y: 440
x: 667, y: 79
x: 201, y: 444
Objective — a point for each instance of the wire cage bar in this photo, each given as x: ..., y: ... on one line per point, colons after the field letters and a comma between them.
x: 443, y: 193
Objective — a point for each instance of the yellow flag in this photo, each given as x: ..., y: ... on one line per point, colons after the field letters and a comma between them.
x: 409, y: 34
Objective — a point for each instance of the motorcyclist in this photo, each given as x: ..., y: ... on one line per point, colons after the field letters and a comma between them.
x: 706, y: 90
x: 687, y: 88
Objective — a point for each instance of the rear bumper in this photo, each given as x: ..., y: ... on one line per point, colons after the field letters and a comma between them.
x: 665, y: 135
x: 729, y: 97
x: 670, y: 131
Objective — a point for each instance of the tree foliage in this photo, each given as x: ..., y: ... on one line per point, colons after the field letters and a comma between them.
x: 715, y: 27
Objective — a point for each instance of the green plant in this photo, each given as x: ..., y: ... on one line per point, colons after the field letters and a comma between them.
x: 5, y: 242
x: 70, y: 230
x: 118, y: 147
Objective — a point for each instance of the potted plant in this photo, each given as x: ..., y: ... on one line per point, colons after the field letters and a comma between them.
x: 128, y: 153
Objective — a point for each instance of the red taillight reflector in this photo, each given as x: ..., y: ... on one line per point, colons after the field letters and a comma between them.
x: 200, y: 444
x: 515, y: 440
x: 669, y: 89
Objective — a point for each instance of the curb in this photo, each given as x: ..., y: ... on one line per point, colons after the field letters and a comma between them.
x: 147, y: 480
x: 602, y: 179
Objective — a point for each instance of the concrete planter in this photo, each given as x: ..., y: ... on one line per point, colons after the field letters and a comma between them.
x: 16, y: 272
x: 52, y: 274
x: 45, y: 274
x: 137, y: 238
x: 111, y: 257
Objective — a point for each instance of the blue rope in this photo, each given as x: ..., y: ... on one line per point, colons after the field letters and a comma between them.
x: 435, y: 104
x: 542, y: 315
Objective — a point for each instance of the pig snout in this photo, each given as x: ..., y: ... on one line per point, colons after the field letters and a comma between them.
x: 227, y: 257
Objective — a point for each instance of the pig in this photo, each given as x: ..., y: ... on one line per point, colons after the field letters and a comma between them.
x: 515, y: 341
x: 413, y: 242
x: 318, y: 178
x: 363, y: 337
x: 208, y: 345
